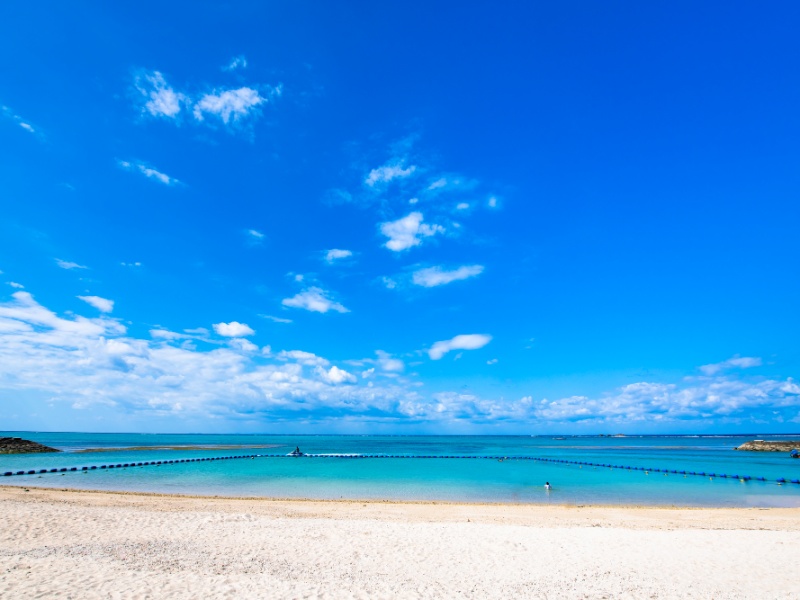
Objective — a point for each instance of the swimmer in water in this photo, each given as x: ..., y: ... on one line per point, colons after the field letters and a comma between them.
x: 547, y: 486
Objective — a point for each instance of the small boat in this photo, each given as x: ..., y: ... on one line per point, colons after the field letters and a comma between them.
x: 795, y: 453
x: 295, y: 452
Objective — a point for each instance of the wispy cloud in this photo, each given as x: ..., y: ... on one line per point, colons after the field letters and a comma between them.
x: 69, y: 265
x: 275, y: 319
x: 303, y: 357
x: 8, y: 113
x: 435, y: 276
x: 101, y: 304
x: 737, y: 362
x: 237, y: 62
x: 160, y: 99
x: 472, y: 341
x: 233, y: 329
x: 335, y: 254
x: 147, y: 171
x: 314, y: 299
x: 387, y: 173
x: 408, y: 232
x: 229, y: 106
x: 16, y: 285
x: 131, y: 264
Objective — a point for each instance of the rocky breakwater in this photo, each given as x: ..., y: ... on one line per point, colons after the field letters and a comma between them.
x: 763, y: 446
x: 12, y: 445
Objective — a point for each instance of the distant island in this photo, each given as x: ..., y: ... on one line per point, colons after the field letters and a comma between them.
x: 12, y: 445
x: 762, y: 446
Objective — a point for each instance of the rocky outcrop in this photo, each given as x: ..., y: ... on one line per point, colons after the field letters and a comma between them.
x: 12, y: 445
x: 762, y: 446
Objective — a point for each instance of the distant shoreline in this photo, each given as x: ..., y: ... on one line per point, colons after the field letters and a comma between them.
x: 180, y: 447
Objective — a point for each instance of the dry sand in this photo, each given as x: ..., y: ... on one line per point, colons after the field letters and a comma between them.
x: 70, y: 544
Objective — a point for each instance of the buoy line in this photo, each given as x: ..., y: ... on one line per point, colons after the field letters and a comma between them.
x: 556, y: 461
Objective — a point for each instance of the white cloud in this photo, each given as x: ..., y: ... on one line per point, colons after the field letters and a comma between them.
x: 254, y: 237
x: 237, y: 62
x: 387, y: 363
x: 462, y: 206
x: 276, y: 319
x: 460, y: 342
x: 387, y: 173
x: 433, y: 276
x: 737, y: 362
x: 407, y: 232
x: 492, y: 361
x: 20, y: 121
x: 233, y: 329
x: 439, y: 183
x: 131, y: 264
x: 65, y: 264
x: 492, y: 202
x: 314, y: 299
x: 336, y: 254
x: 243, y: 345
x: 229, y: 105
x: 389, y: 283
x: 148, y: 172
x: 413, y: 200
x: 304, y: 358
x: 101, y: 304
x: 16, y: 285
x: 161, y: 99
x: 335, y: 375
x: 94, y: 363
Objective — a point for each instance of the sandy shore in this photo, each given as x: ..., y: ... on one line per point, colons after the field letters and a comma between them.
x: 71, y: 544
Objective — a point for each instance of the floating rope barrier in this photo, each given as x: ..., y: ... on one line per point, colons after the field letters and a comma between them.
x: 558, y: 461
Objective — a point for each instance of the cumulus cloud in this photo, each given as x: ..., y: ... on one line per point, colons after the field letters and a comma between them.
x: 237, y: 62
x: 86, y: 362
x: 161, y: 100
x: 233, y: 329
x: 147, y: 171
x: 408, y: 232
x: 16, y: 285
x: 387, y: 173
x: 335, y: 375
x: 314, y: 299
x: 336, y: 254
x: 737, y: 362
x: 471, y: 341
x: 434, y: 276
x: 229, y: 105
x: 69, y: 265
x: 101, y: 304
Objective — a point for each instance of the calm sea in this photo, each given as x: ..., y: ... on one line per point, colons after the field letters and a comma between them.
x: 451, y: 479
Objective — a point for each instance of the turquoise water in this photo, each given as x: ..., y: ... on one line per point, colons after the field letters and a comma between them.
x: 482, y: 480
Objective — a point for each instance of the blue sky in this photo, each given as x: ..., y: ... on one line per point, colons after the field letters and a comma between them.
x: 410, y: 218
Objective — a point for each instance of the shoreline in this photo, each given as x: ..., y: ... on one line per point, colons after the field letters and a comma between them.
x: 792, y: 511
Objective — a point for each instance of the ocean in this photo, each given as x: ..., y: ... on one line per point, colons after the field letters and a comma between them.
x: 441, y: 476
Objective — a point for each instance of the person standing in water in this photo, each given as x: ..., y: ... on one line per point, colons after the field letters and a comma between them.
x: 547, y: 486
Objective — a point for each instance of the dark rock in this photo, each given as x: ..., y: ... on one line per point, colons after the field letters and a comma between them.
x: 9, y: 445
x: 762, y: 446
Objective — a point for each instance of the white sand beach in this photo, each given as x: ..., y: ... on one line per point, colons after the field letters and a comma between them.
x: 82, y: 545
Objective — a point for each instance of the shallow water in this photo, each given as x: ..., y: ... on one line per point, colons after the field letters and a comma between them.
x: 477, y: 480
